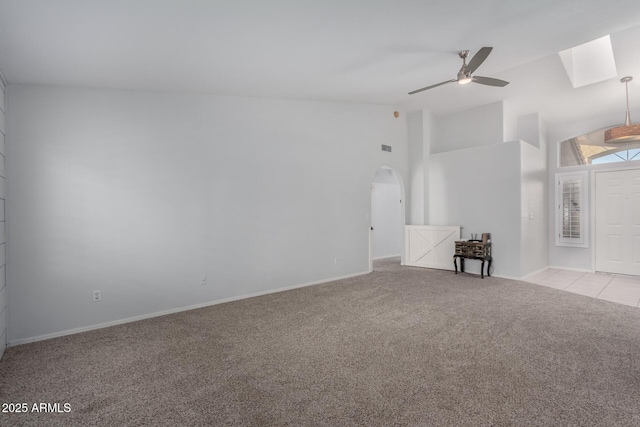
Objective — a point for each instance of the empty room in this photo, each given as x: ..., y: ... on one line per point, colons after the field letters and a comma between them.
x: 278, y: 212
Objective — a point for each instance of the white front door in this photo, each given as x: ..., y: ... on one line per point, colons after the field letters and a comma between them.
x: 618, y: 222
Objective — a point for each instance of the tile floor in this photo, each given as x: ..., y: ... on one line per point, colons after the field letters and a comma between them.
x: 611, y: 287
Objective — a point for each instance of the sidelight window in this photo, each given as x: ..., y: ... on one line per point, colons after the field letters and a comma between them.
x: 571, y: 214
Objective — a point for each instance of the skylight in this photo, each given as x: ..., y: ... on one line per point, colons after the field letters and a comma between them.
x: 589, y: 63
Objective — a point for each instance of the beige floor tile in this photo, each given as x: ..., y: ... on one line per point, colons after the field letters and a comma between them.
x: 621, y: 290
x: 557, y: 283
x: 626, y: 281
x: 540, y: 276
x: 595, y: 278
x: 590, y: 289
x: 614, y: 288
x: 569, y: 274
x: 559, y: 279
x: 626, y: 301
x: 625, y: 284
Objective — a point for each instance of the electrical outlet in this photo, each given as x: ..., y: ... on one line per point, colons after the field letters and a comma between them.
x: 97, y: 296
x: 203, y: 281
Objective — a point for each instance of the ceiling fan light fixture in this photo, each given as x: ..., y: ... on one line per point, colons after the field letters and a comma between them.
x: 464, y: 76
x: 627, y: 132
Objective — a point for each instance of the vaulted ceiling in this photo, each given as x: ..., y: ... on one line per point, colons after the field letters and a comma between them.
x: 364, y: 51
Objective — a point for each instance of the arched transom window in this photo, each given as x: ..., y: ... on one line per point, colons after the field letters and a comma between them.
x: 590, y: 149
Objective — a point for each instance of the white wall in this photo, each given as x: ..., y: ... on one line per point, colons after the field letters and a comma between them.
x: 415, y: 135
x: 478, y: 188
x: 534, y: 207
x: 470, y: 128
x: 140, y: 194
x: 510, y: 122
x: 531, y: 129
x: 3, y: 245
x: 386, y: 218
x: 483, y: 184
x: 475, y: 180
x: 421, y: 132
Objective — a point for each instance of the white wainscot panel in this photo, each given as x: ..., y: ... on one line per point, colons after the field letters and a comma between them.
x: 430, y: 246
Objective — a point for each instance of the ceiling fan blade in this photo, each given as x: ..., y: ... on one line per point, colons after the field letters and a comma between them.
x: 489, y: 81
x: 432, y: 86
x: 478, y: 59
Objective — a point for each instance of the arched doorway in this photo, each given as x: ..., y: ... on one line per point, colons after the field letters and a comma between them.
x: 386, y: 236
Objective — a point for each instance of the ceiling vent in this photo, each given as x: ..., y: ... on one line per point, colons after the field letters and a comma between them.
x: 386, y: 148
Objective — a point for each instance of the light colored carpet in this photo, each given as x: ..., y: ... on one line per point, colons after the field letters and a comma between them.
x: 400, y: 346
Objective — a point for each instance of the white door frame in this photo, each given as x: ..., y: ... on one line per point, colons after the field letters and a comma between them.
x: 403, y: 221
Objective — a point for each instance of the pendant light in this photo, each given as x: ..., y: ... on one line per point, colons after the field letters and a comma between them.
x: 627, y: 132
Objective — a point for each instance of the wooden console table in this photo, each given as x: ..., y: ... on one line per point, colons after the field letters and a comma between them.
x: 473, y: 250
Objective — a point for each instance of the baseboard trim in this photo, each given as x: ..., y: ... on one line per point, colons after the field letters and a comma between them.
x: 386, y: 257
x: 580, y: 270
x: 20, y: 341
x: 501, y: 276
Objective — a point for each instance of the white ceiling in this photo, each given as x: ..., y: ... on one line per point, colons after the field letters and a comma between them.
x: 365, y: 51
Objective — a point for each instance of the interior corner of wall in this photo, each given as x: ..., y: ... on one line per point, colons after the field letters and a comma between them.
x: 428, y: 131
x: 510, y: 122
x: 530, y: 129
x: 542, y: 128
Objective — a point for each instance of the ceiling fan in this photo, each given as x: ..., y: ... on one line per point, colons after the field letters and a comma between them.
x: 464, y: 75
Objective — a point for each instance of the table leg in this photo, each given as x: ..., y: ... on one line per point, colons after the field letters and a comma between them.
x: 455, y: 264
x: 462, y: 265
x: 482, y: 270
x: 489, y: 268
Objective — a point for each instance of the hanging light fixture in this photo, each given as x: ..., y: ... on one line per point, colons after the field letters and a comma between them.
x: 627, y: 132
